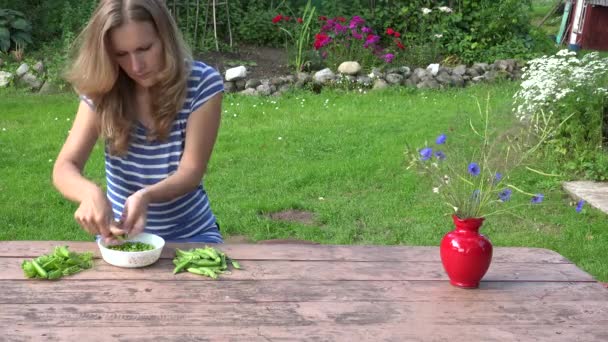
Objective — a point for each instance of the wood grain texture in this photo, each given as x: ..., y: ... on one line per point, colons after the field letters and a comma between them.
x: 237, y: 292
x: 319, y: 270
x: 306, y: 313
x: 316, y: 332
x: 33, y: 249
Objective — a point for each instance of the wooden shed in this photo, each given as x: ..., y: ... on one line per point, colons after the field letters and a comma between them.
x: 588, y: 25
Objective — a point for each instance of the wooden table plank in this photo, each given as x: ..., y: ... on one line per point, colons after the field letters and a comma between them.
x: 317, y: 270
x: 236, y: 292
x: 31, y: 249
x: 141, y: 315
x: 316, y: 332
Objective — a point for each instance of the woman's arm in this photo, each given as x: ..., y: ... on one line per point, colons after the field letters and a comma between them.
x: 94, y: 213
x: 67, y: 171
x: 201, y: 134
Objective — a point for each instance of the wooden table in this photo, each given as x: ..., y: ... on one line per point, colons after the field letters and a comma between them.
x: 304, y: 292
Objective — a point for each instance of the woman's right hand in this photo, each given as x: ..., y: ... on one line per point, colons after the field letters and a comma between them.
x: 95, y: 214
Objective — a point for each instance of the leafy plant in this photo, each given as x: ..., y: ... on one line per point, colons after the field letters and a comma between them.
x: 15, y: 30
x: 567, y: 95
x: 301, y: 36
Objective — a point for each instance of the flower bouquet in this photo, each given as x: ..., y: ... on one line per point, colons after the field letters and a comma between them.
x: 476, y: 186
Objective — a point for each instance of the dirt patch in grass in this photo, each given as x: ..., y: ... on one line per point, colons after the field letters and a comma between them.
x: 293, y: 215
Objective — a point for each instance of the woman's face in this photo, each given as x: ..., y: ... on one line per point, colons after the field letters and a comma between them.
x: 138, y: 50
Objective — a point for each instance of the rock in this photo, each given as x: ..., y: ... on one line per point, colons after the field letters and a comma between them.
x: 421, y: 73
x: 264, y: 89
x: 249, y: 91
x: 433, y: 68
x: 229, y: 87
x: 376, y: 73
x: 478, y: 79
x: 429, y: 83
x: 405, y: 71
x: 303, y: 77
x: 394, y: 78
x: 459, y: 70
x: 5, y: 78
x: 410, y: 82
x: 380, y: 84
x: 30, y: 81
x: 472, y: 72
x: 39, y: 67
x: 240, y: 84
x: 49, y: 88
x: 481, y: 68
x: 365, y: 81
x: 349, y: 78
x: 349, y: 68
x: 252, y: 83
x: 324, y: 76
x: 237, y: 73
x: 22, y: 70
x: 393, y: 70
x: 444, y: 78
x: 277, y: 81
x: 290, y: 79
x: 490, y: 76
x: 458, y: 80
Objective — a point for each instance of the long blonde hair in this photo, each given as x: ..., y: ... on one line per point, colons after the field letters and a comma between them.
x: 96, y: 75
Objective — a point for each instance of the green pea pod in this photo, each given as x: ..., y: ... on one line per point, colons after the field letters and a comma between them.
x: 181, y: 265
x: 62, y: 251
x: 55, y: 274
x: 41, y: 272
x: 235, y: 264
x: 205, y: 262
x: 211, y: 253
x: 203, y: 271
x: 28, y: 269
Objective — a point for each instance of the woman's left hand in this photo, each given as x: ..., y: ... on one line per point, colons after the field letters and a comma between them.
x: 135, y: 213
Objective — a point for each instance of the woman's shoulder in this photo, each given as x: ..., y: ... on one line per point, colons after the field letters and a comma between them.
x: 201, y: 70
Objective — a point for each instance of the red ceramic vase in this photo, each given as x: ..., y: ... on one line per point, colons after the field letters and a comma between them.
x: 466, y: 254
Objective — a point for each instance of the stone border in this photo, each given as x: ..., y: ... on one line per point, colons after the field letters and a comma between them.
x: 349, y: 75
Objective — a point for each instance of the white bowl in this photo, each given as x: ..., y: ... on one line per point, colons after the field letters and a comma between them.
x: 133, y: 259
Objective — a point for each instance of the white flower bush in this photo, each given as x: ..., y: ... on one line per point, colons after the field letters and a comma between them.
x: 549, y: 80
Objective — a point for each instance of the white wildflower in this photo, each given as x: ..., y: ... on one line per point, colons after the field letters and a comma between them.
x: 439, y: 36
x: 436, y: 190
x: 426, y: 11
x: 445, y: 9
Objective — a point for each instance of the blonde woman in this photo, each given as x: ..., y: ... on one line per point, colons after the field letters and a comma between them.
x: 158, y: 112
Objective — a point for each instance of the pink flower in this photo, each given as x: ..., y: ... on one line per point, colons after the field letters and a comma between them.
x: 276, y: 19
x: 356, y: 21
x: 388, y: 57
x: 356, y: 34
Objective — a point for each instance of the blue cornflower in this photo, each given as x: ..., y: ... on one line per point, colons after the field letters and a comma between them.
x: 579, y: 206
x: 440, y: 155
x: 497, y: 177
x: 537, y: 198
x: 441, y: 139
x: 426, y: 153
x: 474, y: 169
x: 505, y: 195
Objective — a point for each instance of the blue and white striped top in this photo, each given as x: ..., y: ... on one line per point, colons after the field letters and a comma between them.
x: 148, y: 162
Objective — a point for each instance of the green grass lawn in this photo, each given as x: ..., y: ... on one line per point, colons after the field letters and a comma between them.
x: 339, y: 156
